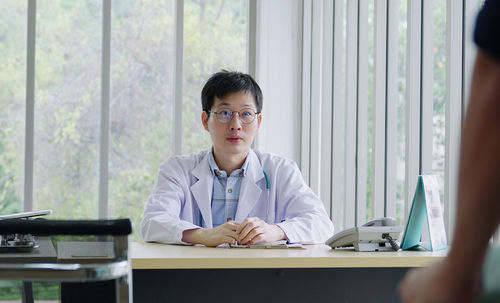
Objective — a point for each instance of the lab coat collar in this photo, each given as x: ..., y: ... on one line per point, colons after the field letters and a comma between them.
x: 250, y: 191
x: 203, y: 188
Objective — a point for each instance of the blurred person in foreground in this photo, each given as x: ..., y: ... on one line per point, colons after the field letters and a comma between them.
x: 458, y: 278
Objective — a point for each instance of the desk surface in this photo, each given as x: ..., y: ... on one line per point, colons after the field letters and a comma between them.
x: 163, y: 256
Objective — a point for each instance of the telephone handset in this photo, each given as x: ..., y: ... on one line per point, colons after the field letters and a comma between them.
x: 375, y: 235
x: 381, y: 222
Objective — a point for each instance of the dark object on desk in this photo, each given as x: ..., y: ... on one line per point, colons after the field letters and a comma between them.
x: 117, y: 270
x: 45, y: 253
x: 17, y: 243
x: 13, y: 242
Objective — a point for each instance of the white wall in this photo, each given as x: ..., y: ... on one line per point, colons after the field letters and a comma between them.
x: 279, y: 45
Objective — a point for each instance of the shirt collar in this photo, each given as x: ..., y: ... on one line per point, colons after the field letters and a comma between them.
x: 215, y: 169
x: 211, y: 163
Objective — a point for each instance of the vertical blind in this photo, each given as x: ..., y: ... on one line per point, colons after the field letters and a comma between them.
x: 372, y: 107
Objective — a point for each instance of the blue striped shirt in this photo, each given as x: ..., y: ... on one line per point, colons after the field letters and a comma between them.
x: 226, y: 192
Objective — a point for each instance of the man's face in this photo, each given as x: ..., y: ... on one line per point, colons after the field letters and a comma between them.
x: 233, y: 137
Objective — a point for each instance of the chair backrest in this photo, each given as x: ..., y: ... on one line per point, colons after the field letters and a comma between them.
x: 119, y: 228
x: 118, y: 270
x: 44, y: 227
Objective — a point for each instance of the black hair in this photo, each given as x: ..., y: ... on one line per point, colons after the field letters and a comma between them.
x: 226, y: 82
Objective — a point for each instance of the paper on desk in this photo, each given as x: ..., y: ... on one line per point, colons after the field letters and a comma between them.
x: 276, y: 244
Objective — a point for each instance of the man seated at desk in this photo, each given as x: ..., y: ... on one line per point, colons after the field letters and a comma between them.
x: 232, y: 193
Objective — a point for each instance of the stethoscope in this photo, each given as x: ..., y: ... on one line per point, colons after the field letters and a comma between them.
x: 267, y: 179
x: 267, y: 187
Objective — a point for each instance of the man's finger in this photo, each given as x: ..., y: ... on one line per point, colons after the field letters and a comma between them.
x: 229, y: 240
x: 230, y: 233
x: 244, y: 239
x: 233, y: 225
x: 251, y: 235
x: 245, y: 231
x: 247, y: 227
x: 242, y: 225
x: 251, y: 220
x: 257, y: 239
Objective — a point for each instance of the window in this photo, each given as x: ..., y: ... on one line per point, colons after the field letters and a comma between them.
x: 141, y: 102
x: 67, y: 107
x: 214, y: 39
x: 87, y: 164
x: 12, y: 104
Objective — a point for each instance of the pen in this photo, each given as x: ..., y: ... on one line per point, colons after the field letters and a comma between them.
x: 236, y: 242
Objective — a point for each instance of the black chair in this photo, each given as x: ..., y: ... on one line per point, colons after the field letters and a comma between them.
x: 118, y: 269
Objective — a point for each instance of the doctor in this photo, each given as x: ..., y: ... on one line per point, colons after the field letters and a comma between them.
x: 231, y: 193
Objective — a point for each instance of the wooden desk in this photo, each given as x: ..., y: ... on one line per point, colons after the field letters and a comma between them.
x: 315, y: 274
x: 161, y: 256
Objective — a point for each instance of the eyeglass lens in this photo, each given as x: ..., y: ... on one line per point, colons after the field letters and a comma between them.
x: 245, y: 116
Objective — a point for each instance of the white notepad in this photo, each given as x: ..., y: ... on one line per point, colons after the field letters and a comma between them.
x: 27, y: 214
x: 276, y: 244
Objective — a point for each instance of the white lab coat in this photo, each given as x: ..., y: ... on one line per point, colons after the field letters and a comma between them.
x: 184, y: 189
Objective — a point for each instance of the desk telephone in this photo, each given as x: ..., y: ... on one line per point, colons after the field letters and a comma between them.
x: 375, y: 235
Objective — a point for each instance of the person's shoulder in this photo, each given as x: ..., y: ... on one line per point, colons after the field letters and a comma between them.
x: 487, y: 24
x: 184, y: 162
x: 274, y: 159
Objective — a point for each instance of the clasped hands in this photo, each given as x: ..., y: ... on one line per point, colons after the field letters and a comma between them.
x: 251, y: 231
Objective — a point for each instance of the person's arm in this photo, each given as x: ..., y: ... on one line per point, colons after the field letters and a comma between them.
x: 161, y: 220
x: 479, y: 195
x: 299, y: 212
x: 458, y: 277
x: 224, y: 233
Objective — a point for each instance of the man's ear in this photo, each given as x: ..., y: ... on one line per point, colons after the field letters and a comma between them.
x: 204, y: 120
x: 259, y: 120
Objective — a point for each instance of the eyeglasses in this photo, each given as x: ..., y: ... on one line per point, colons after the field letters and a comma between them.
x: 224, y: 116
